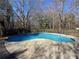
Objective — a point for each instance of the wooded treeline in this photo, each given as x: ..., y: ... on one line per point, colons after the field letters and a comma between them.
x: 27, y: 16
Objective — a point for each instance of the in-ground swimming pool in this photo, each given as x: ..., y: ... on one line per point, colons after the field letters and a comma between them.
x: 54, y: 37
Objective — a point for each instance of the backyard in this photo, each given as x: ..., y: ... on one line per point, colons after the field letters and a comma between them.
x: 39, y: 29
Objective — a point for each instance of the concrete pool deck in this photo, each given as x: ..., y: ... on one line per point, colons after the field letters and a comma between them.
x: 42, y: 49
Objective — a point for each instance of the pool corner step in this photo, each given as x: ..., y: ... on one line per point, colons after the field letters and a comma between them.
x: 3, y: 38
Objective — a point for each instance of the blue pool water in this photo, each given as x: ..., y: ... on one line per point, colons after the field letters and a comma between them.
x: 53, y: 37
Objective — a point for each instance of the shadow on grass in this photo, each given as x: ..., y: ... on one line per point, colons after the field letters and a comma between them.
x: 4, y: 54
x: 15, y: 54
x: 3, y: 51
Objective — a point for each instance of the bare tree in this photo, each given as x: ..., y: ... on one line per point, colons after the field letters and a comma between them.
x: 24, y: 10
x: 6, y: 12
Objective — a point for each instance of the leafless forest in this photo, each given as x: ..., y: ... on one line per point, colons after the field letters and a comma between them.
x: 30, y: 16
